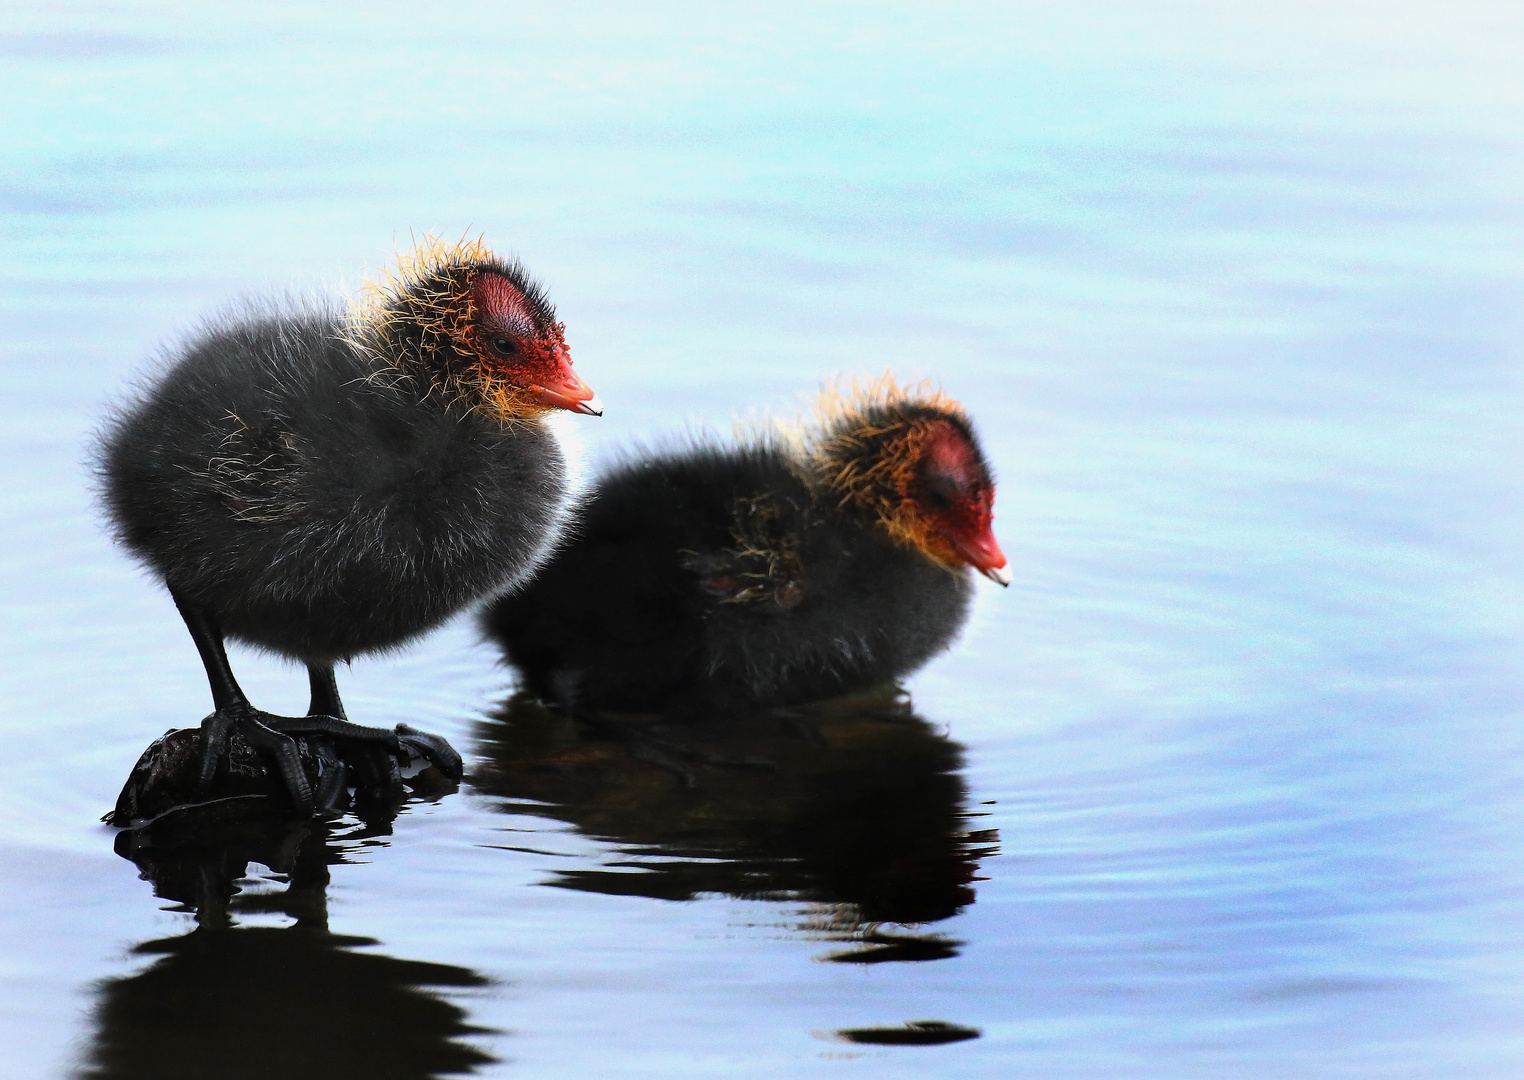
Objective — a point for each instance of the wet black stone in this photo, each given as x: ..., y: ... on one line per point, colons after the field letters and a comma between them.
x: 166, y: 775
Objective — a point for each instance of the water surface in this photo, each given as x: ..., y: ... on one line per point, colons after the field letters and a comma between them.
x: 1226, y: 784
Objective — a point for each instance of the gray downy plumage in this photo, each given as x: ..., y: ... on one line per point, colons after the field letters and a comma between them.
x: 318, y: 504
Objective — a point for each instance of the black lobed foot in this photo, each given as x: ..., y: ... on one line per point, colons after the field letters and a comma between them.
x: 405, y: 743
x: 332, y: 794
x: 278, y: 749
x: 439, y: 753
x: 347, y: 753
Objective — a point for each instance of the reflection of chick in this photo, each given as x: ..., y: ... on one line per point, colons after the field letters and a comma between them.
x: 323, y: 484
x: 256, y: 1002
x: 870, y: 814
x: 765, y: 574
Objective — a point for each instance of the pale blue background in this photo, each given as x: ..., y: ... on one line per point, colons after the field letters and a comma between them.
x: 1233, y: 294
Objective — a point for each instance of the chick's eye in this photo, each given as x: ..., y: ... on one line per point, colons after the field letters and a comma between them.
x: 503, y: 346
x: 938, y: 492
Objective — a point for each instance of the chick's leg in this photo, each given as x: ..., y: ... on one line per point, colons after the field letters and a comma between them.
x: 326, y: 716
x: 232, y: 709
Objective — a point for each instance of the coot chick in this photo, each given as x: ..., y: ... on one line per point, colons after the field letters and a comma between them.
x: 767, y: 572
x: 322, y: 481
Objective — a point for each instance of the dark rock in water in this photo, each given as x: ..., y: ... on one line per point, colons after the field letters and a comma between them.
x: 166, y: 775
x: 164, y: 785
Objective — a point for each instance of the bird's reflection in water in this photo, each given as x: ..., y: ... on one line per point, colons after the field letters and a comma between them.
x: 234, y: 1001
x: 853, y: 805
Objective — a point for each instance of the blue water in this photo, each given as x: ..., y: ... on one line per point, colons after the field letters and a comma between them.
x: 1234, y: 298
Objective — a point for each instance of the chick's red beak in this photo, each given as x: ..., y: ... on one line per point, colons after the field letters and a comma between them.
x: 568, y: 392
x: 983, y: 553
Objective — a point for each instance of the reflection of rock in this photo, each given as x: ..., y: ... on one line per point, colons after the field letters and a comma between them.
x: 854, y: 803
x: 261, y: 1002
x: 230, y: 1001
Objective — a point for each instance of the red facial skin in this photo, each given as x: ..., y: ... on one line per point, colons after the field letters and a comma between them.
x: 957, y: 501
x: 519, y: 348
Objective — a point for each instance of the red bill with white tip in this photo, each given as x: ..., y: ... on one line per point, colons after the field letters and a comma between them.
x: 569, y: 393
x: 983, y: 553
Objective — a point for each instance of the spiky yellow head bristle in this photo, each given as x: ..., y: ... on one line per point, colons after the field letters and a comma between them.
x: 851, y: 398
x: 871, y: 434
x: 384, y: 285
x: 418, y: 319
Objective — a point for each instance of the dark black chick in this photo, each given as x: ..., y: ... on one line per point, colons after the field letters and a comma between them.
x: 323, y: 482
x: 764, y: 573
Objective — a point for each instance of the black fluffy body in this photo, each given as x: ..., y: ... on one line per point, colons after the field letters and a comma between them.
x: 713, y: 577
x: 319, y: 505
